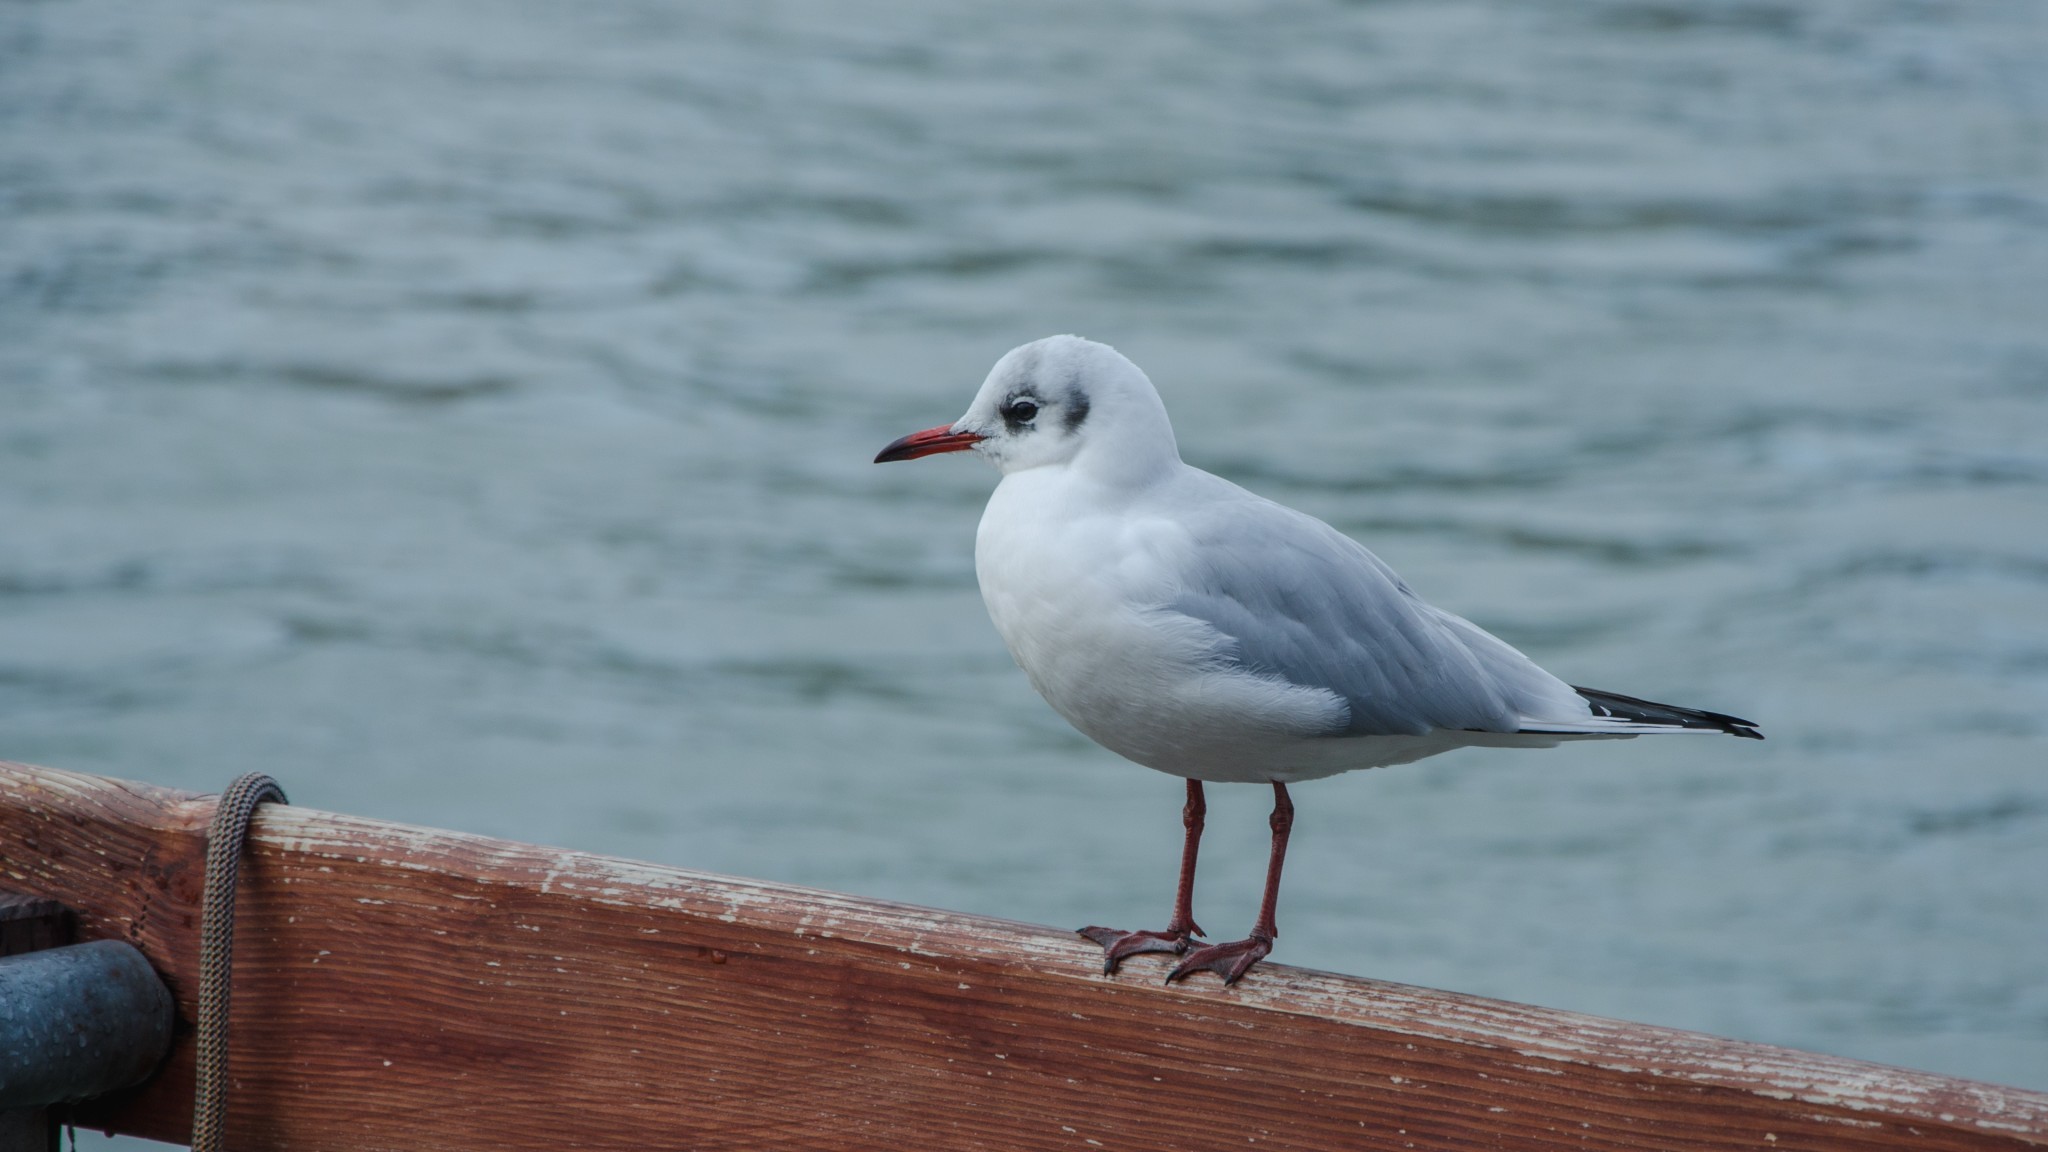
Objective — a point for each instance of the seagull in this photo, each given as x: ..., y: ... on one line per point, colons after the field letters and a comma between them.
x: 1195, y: 628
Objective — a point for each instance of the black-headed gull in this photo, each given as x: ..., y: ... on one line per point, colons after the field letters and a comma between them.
x: 1189, y: 625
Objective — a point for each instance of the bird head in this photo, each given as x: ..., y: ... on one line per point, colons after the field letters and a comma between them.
x: 1056, y: 402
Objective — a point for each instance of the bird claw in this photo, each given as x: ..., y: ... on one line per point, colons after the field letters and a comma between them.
x: 1229, y: 960
x: 1119, y: 945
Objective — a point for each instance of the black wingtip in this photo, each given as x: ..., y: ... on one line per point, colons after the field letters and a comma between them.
x: 1650, y: 712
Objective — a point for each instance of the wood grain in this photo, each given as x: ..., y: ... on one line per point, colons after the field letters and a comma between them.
x: 400, y: 987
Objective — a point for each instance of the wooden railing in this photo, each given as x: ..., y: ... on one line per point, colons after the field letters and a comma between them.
x: 400, y: 987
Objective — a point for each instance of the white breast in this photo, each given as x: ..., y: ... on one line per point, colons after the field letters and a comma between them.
x: 1074, y: 579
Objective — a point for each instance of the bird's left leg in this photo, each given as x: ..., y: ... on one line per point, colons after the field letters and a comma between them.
x: 1232, y: 960
x: 1117, y: 944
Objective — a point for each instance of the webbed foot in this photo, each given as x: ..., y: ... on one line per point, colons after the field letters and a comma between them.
x: 1118, y: 945
x: 1229, y: 960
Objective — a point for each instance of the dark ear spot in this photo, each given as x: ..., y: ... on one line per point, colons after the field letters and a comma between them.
x: 1077, y: 410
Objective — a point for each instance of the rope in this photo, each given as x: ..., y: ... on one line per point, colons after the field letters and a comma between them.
x: 224, y: 840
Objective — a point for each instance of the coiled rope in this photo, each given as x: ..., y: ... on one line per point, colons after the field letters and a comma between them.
x: 224, y: 839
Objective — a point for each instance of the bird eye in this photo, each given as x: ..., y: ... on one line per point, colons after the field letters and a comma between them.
x: 1020, y: 411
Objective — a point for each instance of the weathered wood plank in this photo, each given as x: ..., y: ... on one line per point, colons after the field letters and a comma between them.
x: 400, y: 987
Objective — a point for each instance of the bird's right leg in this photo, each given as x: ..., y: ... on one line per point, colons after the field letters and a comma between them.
x: 1117, y: 945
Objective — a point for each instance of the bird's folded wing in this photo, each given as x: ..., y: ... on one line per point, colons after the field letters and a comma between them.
x: 1300, y: 601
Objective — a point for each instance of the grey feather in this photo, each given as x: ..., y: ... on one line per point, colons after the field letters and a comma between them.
x: 1301, y: 601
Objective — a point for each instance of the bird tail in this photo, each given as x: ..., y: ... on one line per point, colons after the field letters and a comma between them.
x: 1615, y: 714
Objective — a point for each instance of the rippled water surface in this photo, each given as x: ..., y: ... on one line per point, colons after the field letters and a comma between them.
x: 463, y: 412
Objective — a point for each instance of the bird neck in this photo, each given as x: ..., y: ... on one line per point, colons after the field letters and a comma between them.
x: 1133, y: 464
x: 1135, y: 446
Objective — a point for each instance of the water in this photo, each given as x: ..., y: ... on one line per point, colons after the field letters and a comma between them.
x: 463, y: 412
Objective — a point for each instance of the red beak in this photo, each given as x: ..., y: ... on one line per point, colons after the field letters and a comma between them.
x: 929, y: 442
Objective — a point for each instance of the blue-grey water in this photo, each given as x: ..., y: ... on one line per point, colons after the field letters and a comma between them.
x: 463, y: 412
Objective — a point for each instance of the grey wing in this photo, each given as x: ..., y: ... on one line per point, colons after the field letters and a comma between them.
x: 1300, y: 601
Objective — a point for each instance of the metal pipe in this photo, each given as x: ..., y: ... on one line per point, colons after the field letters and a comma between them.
x: 79, y: 1021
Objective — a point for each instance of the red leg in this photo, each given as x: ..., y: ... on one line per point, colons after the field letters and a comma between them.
x: 1117, y: 945
x: 1232, y: 960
